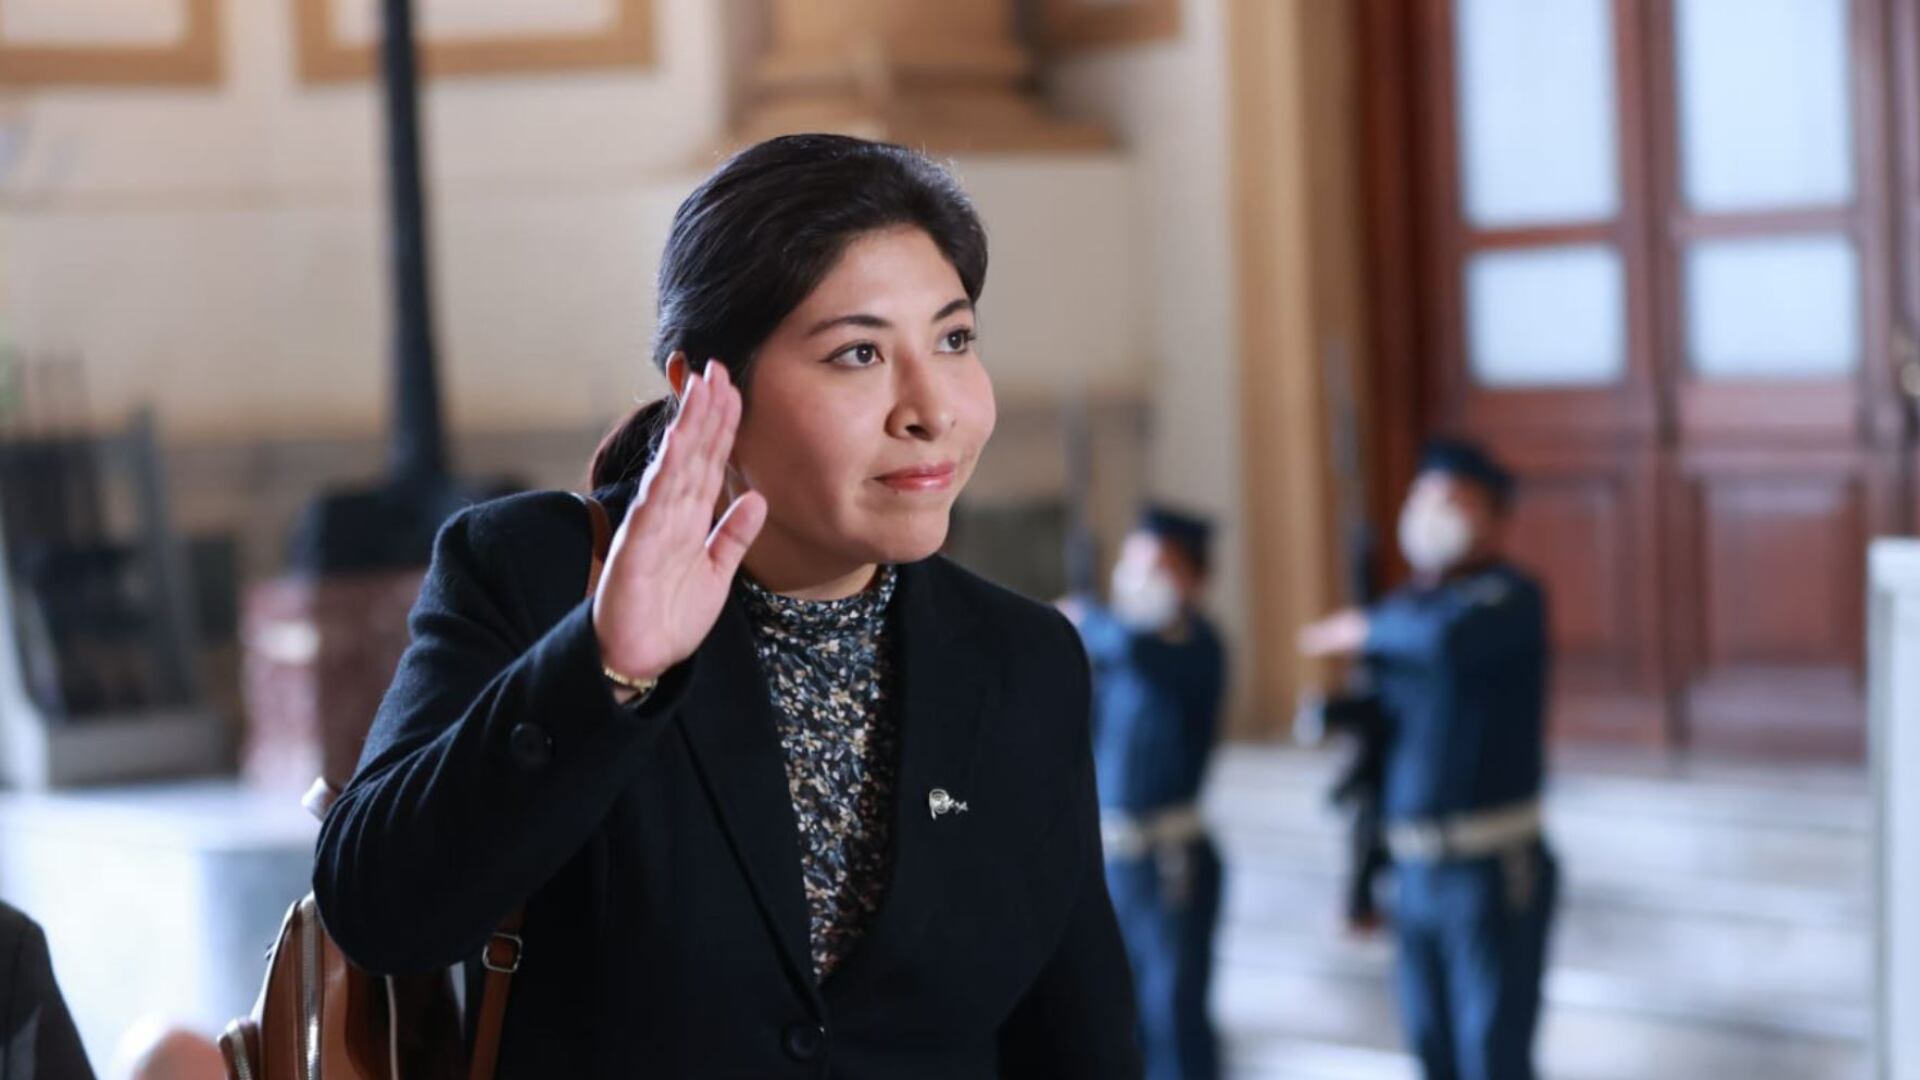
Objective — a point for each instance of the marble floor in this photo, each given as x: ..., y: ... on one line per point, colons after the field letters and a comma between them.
x: 1716, y: 922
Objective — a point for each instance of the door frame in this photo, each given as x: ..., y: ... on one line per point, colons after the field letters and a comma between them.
x: 1410, y: 188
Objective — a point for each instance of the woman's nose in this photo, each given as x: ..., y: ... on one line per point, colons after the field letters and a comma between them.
x: 922, y: 408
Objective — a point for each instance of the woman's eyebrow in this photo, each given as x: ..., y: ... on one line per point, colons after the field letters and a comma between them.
x: 953, y: 308
x: 872, y: 322
x: 875, y: 322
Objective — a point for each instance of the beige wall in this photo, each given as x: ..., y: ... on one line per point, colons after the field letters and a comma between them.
x: 1169, y: 103
x: 219, y: 253
x: 1242, y: 132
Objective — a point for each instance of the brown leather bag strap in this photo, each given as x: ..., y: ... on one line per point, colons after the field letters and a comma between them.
x: 501, y: 957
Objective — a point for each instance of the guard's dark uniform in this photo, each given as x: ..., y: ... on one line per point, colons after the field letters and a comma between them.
x: 1461, y: 668
x: 1157, y: 700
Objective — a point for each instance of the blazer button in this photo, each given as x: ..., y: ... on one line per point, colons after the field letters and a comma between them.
x: 531, y: 745
x: 805, y: 1041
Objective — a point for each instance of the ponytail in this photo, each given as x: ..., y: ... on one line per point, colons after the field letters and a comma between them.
x: 628, y: 448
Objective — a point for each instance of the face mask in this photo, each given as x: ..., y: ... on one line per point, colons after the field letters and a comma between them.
x: 1434, y: 536
x: 1144, y: 600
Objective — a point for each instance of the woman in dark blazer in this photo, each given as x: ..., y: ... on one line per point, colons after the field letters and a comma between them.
x: 37, y: 1038
x: 791, y: 795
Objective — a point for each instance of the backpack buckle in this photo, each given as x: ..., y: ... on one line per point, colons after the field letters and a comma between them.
x: 506, y: 958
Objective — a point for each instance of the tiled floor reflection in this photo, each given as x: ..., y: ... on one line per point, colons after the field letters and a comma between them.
x: 1716, y: 923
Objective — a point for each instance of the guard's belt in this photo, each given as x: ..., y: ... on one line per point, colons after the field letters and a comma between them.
x: 1129, y: 836
x: 1466, y: 836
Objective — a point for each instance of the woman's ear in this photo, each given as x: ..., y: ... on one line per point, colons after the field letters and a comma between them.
x: 678, y: 371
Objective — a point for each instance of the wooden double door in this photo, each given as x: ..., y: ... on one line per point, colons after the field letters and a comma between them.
x: 1663, y: 256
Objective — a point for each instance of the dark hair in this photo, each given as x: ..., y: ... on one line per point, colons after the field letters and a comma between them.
x: 1466, y: 460
x: 1186, y: 533
x: 754, y: 240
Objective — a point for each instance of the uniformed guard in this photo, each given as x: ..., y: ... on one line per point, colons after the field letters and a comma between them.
x: 1159, y: 676
x: 1459, y: 659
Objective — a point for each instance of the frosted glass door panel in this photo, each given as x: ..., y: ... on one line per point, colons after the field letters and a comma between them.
x: 1765, y: 114
x: 1546, y: 317
x: 1776, y: 308
x: 1537, y: 131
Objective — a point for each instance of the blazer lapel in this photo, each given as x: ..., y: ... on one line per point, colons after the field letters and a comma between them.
x: 736, y: 745
x: 946, y: 679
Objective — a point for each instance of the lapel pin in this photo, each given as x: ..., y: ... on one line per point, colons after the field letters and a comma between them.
x: 939, y: 802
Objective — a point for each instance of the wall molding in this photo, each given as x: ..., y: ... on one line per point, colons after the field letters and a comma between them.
x: 192, y: 60
x: 1074, y: 25
x: 627, y: 40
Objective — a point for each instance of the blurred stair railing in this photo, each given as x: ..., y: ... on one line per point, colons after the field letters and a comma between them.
x: 98, y: 669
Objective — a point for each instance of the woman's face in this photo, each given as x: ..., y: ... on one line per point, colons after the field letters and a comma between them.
x: 867, y: 410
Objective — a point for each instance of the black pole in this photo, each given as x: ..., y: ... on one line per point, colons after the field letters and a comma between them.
x: 393, y: 525
x: 417, y: 457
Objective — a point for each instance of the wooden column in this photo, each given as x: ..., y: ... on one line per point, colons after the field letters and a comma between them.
x: 1296, y: 221
x: 936, y: 74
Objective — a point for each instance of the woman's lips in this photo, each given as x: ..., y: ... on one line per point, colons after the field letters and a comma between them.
x: 921, y: 478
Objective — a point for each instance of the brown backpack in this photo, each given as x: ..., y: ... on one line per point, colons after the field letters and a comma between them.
x: 321, y: 1018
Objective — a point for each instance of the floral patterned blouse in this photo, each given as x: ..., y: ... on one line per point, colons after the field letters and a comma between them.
x: 830, y: 673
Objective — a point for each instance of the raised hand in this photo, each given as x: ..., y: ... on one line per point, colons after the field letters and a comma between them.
x: 670, y: 567
x: 1341, y: 634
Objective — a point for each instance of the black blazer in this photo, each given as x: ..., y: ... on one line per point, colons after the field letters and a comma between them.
x: 37, y: 1037
x: 656, y: 848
